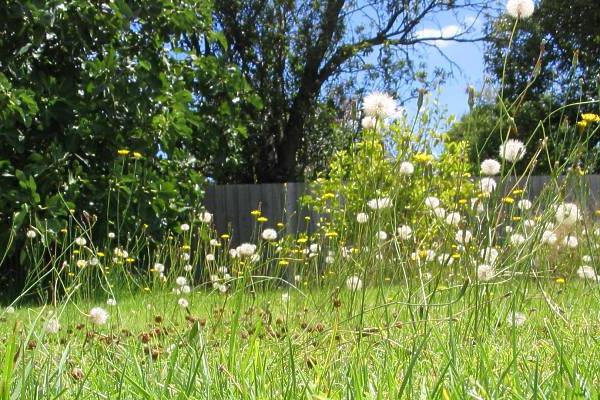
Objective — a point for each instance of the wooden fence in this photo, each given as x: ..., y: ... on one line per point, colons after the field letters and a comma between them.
x: 232, y: 205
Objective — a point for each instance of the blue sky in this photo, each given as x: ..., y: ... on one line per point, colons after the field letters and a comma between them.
x: 468, y: 57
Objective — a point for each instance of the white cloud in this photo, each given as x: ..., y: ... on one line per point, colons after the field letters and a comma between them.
x: 445, y: 32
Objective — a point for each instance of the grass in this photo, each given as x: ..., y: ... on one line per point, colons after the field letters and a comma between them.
x: 377, y: 343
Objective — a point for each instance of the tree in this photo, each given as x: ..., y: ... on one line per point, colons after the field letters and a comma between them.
x: 91, y: 93
x: 294, y: 53
x: 554, y: 61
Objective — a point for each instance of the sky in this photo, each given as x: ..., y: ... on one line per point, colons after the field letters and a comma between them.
x: 468, y: 57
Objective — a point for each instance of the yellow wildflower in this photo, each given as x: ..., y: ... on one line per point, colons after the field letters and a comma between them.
x: 256, y: 213
x: 137, y: 154
x: 100, y: 254
x: 284, y: 262
x: 560, y: 280
x: 508, y: 200
x: 186, y: 247
x: 280, y: 225
x: 224, y: 236
x: 262, y: 219
x: 123, y: 152
x: 331, y: 234
x: 328, y: 195
x: 590, y: 117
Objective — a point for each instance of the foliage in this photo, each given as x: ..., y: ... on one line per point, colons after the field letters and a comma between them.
x: 82, y: 81
x: 302, y: 56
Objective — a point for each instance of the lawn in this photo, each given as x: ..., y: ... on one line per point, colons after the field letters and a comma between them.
x: 517, y: 338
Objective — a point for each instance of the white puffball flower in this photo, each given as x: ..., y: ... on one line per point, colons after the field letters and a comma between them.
x: 524, y: 204
x: 246, y: 249
x: 445, y: 259
x: 185, y: 289
x: 587, y: 258
x: 111, y: 235
x: 439, y: 212
x: 379, y: 105
x: 516, y: 319
x: 9, y: 310
x: 571, y: 241
x: 354, y: 283
x: 368, y: 122
x: 188, y: 267
x: 489, y: 255
x: 463, y: 236
x: 31, y: 234
x: 314, y: 247
x: 485, y: 272
x: 404, y: 232
x: 81, y: 263
x: 111, y: 302
x: 406, y: 168
x: 180, y: 281
x: 98, y: 316
x: 512, y: 150
x: 285, y: 297
x: 567, y: 214
x: 210, y: 257
x: 183, y: 303
x: 520, y: 8
x: 490, y: 167
x: 206, y: 217
x: 379, y: 203
x: 432, y: 202
x: 269, y: 234
x: 587, y: 272
x: 362, y: 218
x: 80, y: 241
x: 517, y: 239
x: 453, y: 218
x: 329, y: 259
x: 184, y: 227
x: 487, y: 185
x: 159, y: 268
x: 52, y: 326
x: 381, y: 235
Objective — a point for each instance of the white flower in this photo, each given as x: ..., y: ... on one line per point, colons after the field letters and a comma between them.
x: 31, y: 234
x: 463, y: 237
x: 429, y: 255
x: 516, y: 319
x: 520, y: 8
x: 517, y: 239
x: 404, y: 232
x: 432, y: 202
x: 445, y: 259
x: 206, y: 217
x: 508, y: 229
x: 453, y: 218
x: 210, y: 257
x: 214, y: 242
x: 354, y: 283
x: 489, y: 255
x: 512, y: 150
x: 98, y: 316
x: 368, y: 122
x: 119, y: 252
x: 269, y: 234
x: 487, y: 185
x: 94, y: 261
x: 159, y: 268
x: 362, y: 218
x: 184, y: 227
x: 297, y: 279
x: 188, y: 267
x: 185, y: 256
x: 571, y: 241
x: 180, y: 281
x: 379, y: 105
x: 379, y: 203
x: 567, y: 214
x: 406, y: 168
x: 111, y: 235
x: 246, y: 249
x: 111, y: 302
x: 490, y: 167
x: 80, y: 241
x: 9, y: 310
x: 52, y: 326
x: 485, y: 272
x: 285, y: 297
x: 586, y: 259
x: 329, y: 260
x: 183, y: 303
x: 81, y: 263
x: 524, y: 204
x: 381, y: 235
x: 439, y: 212
x: 186, y: 289
x: 222, y: 288
x: 587, y: 272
